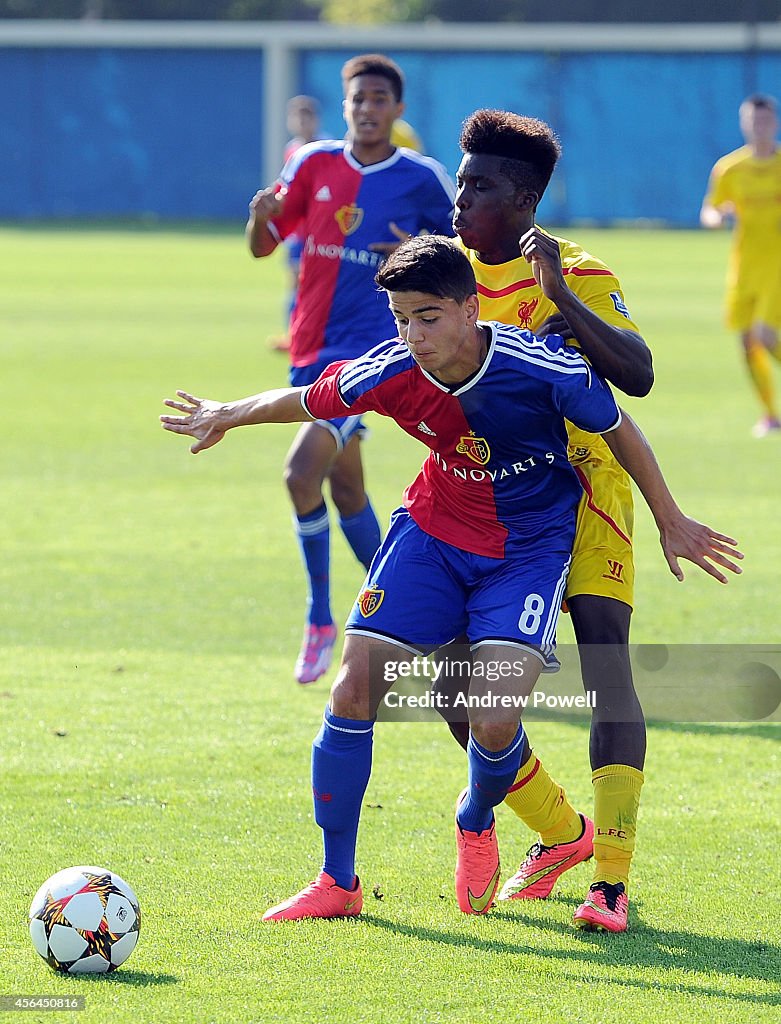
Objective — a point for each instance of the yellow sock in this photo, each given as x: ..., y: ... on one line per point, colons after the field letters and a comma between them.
x: 543, y: 804
x: 761, y: 371
x: 616, y: 799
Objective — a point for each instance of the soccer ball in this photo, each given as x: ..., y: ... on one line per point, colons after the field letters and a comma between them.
x: 85, y: 920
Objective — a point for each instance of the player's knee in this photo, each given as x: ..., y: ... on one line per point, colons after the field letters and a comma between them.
x: 350, y: 696
x: 603, y: 645
x: 600, y: 621
x: 758, y: 337
x: 492, y: 733
x: 606, y: 669
x: 305, y: 490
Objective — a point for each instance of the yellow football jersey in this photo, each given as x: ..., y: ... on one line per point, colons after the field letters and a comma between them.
x: 753, y: 186
x: 602, y: 557
x: 508, y: 293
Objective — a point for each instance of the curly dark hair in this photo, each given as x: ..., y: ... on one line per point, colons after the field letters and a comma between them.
x: 529, y: 148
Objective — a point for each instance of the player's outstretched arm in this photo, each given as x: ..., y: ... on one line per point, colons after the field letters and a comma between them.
x: 679, y: 535
x: 620, y: 356
x: 208, y: 421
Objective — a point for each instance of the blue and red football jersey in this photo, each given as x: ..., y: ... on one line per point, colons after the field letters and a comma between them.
x: 339, y: 208
x: 498, y: 474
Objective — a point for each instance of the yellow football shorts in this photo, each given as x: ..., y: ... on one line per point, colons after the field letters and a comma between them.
x: 753, y: 294
x: 602, y: 558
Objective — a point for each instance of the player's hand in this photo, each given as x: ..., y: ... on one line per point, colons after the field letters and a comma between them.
x: 267, y: 204
x: 556, y: 324
x: 386, y: 248
x: 542, y: 252
x: 201, y: 420
x: 698, y: 543
x: 717, y: 216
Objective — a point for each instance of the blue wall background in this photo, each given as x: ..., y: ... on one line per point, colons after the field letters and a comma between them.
x: 178, y: 133
x: 121, y: 132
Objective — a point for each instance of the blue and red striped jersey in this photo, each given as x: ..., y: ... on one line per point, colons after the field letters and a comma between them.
x: 497, y: 475
x: 339, y: 208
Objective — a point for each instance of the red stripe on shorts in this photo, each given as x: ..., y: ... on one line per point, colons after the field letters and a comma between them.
x: 594, y: 508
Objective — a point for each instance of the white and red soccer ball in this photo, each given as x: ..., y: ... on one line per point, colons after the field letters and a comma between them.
x: 85, y: 920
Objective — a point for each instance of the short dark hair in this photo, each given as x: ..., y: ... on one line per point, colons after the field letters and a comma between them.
x: 762, y: 101
x: 432, y: 264
x: 529, y: 148
x: 374, y: 64
x: 302, y: 102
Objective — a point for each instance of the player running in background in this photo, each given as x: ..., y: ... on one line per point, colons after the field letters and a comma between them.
x: 303, y: 125
x: 484, y: 533
x: 350, y: 201
x: 745, y: 187
x: 507, y: 164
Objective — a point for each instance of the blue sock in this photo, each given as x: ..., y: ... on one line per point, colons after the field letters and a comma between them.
x: 491, y: 773
x: 314, y: 538
x: 363, y: 534
x: 341, y: 765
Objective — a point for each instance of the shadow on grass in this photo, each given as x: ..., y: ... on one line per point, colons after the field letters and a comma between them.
x: 123, y: 977
x: 641, y: 947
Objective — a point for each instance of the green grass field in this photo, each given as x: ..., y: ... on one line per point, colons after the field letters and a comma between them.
x: 149, y: 723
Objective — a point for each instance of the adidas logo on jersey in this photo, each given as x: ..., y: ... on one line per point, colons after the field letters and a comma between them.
x: 426, y: 429
x: 323, y: 195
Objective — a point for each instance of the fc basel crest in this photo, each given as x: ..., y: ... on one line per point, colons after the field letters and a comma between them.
x: 348, y: 218
x: 370, y: 600
x: 475, y: 448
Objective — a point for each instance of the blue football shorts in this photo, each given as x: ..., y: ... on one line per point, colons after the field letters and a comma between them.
x: 341, y: 429
x: 421, y: 593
